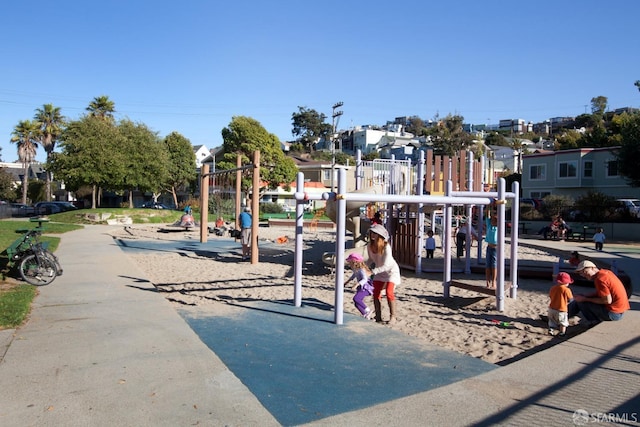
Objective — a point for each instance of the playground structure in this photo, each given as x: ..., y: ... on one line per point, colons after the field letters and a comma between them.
x: 405, y: 214
x: 205, y: 181
x: 407, y: 230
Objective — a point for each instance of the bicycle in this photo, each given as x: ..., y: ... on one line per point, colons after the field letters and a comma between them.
x: 36, y: 264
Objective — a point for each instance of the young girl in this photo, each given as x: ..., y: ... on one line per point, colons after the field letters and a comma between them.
x: 363, y: 286
x: 386, y: 271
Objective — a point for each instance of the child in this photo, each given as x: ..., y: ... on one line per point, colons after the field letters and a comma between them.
x: 560, y: 295
x: 574, y: 260
x: 363, y: 286
x: 430, y: 244
x: 386, y: 271
x: 599, y: 239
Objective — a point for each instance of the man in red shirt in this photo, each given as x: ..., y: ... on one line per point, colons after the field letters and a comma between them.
x: 609, y: 301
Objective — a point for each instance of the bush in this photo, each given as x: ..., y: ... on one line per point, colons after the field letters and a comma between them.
x: 271, y: 208
x: 596, y: 206
x: 222, y: 205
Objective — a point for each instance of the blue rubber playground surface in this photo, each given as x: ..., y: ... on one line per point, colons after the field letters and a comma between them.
x: 302, y: 367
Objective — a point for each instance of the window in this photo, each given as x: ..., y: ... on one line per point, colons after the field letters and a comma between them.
x: 326, y: 174
x: 587, y: 172
x: 567, y: 170
x: 612, y: 168
x: 537, y: 172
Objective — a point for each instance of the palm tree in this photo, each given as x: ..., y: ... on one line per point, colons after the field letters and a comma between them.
x: 102, y: 107
x: 51, y: 122
x: 26, y: 135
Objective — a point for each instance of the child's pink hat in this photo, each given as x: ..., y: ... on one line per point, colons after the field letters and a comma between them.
x: 564, y: 278
x: 355, y: 258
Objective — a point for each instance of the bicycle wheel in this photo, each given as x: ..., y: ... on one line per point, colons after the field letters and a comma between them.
x: 38, y: 271
x: 54, y: 259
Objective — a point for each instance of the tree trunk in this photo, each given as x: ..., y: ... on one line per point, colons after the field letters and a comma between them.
x: 175, y: 196
x: 25, y: 183
x: 93, y: 196
x: 47, y: 186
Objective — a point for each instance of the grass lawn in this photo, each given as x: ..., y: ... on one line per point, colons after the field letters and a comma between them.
x: 15, y: 296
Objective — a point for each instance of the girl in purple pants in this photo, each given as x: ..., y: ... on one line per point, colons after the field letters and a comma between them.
x: 363, y: 286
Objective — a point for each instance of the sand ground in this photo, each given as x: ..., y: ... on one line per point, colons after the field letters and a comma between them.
x: 468, y: 322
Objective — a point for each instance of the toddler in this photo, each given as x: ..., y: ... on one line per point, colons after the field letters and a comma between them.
x: 599, y: 239
x: 560, y: 295
x: 363, y: 286
x: 430, y: 244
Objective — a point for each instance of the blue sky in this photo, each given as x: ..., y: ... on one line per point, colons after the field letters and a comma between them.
x: 190, y: 66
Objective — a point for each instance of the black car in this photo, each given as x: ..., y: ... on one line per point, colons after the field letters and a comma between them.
x: 20, y: 209
x: 48, y: 208
x: 155, y: 205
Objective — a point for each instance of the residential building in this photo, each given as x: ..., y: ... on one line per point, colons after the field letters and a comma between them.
x: 202, y: 154
x: 573, y: 173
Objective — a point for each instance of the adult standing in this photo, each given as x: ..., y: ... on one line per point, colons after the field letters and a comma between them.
x: 386, y: 273
x: 245, y: 221
x: 609, y: 301
x: 461, y: 239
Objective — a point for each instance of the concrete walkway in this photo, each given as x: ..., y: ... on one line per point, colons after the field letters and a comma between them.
x: 102, y: 348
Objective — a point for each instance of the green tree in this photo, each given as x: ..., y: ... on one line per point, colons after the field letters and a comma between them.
x: 145, y: 158
x: 494, y: 138
x: 7, y: 191
x: 416, y: 126
x: 599, y: 105
x: 629, y: 153
x: 182, y: 163
x: 569, y: 139
x: 448, y: 136
x: 309, y: 127
x: 244, y: 136
x: 90, y: 155
x: 102, y: 106
x: 637, y: 84
x: 51, y: 123
x: 26, y: 135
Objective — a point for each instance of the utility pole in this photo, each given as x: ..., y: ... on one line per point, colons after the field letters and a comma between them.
x: 335, y: 115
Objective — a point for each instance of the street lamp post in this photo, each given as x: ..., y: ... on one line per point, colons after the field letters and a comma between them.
x: 335, y: 115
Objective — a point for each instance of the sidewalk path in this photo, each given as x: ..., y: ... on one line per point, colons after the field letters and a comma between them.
x: 102, y: 348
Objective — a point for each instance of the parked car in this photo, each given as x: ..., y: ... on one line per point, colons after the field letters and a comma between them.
x: 630, y: 205
x: 535, y: 203
x: 154, y: 205
x: 48, y: 208
x: 20, y: 209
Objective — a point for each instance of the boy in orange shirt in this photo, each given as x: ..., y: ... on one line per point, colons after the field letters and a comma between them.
x: 560, y: 295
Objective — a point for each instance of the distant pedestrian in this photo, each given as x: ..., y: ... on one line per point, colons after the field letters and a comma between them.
x: 461, y: 239
x: 430, y: 244
x: 599, y: 239
x: 558, y: 310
